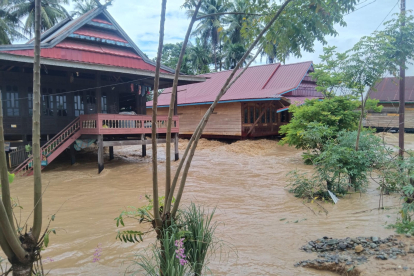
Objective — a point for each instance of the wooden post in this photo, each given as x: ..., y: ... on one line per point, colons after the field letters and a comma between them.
x: 98, y: 93
x: 72, y: 154
x: 138, y: 99
x: 100, y: 154
x: 177, y: 154
x: 111, y: 153
x: 144, y: 147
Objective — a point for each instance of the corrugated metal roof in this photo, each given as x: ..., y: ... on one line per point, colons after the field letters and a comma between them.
x: 275, y: 78
x: 99, y: 34
x: 92, y: 53
x: 388, y: 90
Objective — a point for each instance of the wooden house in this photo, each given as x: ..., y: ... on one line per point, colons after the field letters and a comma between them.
x: 255, y: 106
x: 387, y: 92
x: 90, y: 72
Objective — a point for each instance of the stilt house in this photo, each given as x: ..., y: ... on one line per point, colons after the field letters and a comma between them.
x: 255, y: 106
x: 387, y: 92
x: 90, y: 72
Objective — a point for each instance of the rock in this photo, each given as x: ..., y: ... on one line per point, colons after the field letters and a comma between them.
x: 408, y: 235
x: 332, y: 242
x: 382, y: 257
x: 359, y: 248
x: 342, y: 246
x: 411, y: 249
x: 374, y: 239
x: 373, y: 245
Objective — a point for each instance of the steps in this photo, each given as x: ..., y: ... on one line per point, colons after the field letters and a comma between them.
x: 53, y: 148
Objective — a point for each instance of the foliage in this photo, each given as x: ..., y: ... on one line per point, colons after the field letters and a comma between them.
x: 340, y: 163
x: 194, y: 230
x: 10, y: 28
x: 82, y: 7
x: 316, y: 121
x: 52, y: 12
x: 200, y: 228
x: 305, y: 187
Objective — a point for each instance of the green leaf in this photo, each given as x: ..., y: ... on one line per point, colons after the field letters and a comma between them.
x: 46, y: 239
x: 11, y: 177
x: 282, y: 219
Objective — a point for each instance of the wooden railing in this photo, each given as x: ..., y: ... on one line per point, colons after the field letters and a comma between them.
x: 27, y: 166
x: 17, y: 156
x: 124, y: 124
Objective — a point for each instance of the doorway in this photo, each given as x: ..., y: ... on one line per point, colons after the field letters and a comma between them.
x: 127, y: 102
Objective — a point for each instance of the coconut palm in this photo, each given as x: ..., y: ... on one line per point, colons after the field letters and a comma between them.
x: 233, y: 53
x: 82, y: 7
x: 52, y: 12
x: 235, y: 21
x: 199, y: 57
x: 209, y: 28
x: 10, y: 26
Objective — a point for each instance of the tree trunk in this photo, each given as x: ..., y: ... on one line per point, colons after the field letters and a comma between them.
x: 157, y: 218
x: 37, y: 155
x: 20, y: 269
x: 360, y: 121
x: 168, y: 196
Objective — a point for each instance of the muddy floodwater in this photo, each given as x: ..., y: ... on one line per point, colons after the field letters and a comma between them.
x: 245, y: 180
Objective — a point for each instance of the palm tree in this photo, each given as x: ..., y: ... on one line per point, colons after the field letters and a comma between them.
x: 209, y: 28
x: 235, y: 21
x: 51, y: 13
x: 233, y: 53
x: 82, y: 7
x: 199, y: 57
x: 10, y: 26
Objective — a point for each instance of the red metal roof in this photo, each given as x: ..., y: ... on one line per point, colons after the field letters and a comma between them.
x: 98, y: 20
x: 275, y: 78
x: 99, y: 34
x: 92, y: 53
x: 388, y: 90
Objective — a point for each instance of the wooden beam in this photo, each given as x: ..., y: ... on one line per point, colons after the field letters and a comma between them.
x: 177, y: 154
x: 100, y: 153
x: 144, y: 146
x: 111, y: 153
x: 257, y: 120
x: 98, y: 92
x: 131, y: 142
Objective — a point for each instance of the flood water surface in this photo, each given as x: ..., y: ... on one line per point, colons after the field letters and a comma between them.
x: 246, y: 181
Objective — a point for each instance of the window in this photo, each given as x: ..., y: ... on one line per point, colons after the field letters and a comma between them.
x: 284, y: 116
x: 79, y: 106
x: 268, y: 115
x: 30, y: 100
x: 61, y: 104
x: 257, y: 113
x: 47, y: 102
x: 104, y: 106
x: 274, y: 115
x: 251, y: 114
x: 12, y: 101
x: 263, y: 112
x: 246, y: 115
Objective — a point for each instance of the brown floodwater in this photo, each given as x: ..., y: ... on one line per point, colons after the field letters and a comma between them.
x: 245, y: 180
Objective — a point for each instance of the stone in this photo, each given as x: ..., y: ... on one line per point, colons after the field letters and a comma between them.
x: 381, y: 257
x: 359, y: 248
x: 411, y: 249
x: 332, y: 242
x: 373, y: 245
x: 342, y: 246
x: 408, y: 235
x: 374, y: 239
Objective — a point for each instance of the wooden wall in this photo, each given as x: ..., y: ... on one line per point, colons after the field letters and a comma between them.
x: 388, y: 118
x: 225, y: 121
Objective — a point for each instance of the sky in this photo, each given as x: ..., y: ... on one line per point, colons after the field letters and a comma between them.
x: 140, y: 20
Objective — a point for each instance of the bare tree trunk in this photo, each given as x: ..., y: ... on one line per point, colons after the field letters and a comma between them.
x: 158, y: 221
x: 167, y: 203
x: 22, y: 269
x: 37, y: 155
x: 360, y: 123
x: 210, y: 110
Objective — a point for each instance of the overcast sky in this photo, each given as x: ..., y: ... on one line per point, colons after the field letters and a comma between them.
x: 140, y: 20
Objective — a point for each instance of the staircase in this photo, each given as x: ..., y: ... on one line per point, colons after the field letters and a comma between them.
x: 53, y: 148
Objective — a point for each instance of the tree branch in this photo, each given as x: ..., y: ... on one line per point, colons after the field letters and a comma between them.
x: 5, y: 187
x: 225, y: 13
x: 157, y: 217
x: 168, y: 199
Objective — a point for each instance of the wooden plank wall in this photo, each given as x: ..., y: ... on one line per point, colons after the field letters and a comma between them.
x: 225, y: 121
x: 388, y: 118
